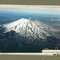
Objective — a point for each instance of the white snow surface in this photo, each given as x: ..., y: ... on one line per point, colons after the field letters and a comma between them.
x: 29, y: 28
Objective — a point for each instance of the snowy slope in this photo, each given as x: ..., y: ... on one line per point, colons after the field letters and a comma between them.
x: 29, y: 28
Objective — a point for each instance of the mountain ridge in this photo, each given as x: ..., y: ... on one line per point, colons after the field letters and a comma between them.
x: 26, y: 27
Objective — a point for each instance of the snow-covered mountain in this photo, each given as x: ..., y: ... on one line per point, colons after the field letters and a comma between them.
x: 29, y: 28
x: 27, y: 35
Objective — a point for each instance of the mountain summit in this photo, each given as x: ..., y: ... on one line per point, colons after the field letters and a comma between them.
x: 29, y: 28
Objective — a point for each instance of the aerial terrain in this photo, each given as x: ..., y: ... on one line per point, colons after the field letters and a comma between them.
x: 29, y: 30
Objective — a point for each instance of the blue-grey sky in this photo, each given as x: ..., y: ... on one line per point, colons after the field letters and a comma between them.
x: 55, y: 11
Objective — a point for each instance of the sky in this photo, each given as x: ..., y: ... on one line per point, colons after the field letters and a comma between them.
x: 55, y: 11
